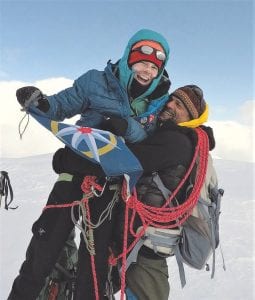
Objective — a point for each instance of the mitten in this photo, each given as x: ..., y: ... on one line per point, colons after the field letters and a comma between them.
x: 117, y: 126
x: 30, y: 94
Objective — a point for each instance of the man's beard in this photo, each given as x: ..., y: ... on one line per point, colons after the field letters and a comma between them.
x: 167, y: 114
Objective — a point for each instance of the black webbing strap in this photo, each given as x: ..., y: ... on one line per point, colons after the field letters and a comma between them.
x: 6, y: 190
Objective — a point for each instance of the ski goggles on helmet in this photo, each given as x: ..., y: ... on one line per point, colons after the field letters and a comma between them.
x: 148, y: 50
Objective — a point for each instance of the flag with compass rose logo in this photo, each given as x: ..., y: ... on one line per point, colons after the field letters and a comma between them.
x: 99, y: 146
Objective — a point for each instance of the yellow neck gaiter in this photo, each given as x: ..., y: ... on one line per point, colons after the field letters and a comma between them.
x: 197, y: 122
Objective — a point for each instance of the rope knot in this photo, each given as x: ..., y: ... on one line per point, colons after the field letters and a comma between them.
x: 132, y: 202
x: 89, y: 185
x: 112, y: 260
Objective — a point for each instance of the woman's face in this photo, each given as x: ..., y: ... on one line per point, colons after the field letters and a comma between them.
x: 145, y: 72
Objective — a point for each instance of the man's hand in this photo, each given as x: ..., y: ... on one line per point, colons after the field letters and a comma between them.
x: 31, y: 95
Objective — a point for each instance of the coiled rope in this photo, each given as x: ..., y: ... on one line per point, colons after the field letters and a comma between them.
x: 165, y: 216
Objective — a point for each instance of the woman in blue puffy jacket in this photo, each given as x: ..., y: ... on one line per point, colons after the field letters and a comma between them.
x: 134, y: 88
x: 123, y: 89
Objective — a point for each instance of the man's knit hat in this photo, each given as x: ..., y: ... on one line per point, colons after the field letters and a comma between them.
x: 193, y: 99
x: 136, y: 55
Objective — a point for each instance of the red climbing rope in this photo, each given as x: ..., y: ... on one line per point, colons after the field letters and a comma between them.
x: 165, y: 216
x: 88, y: 186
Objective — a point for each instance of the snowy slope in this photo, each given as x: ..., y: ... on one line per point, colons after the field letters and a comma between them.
x: 32, y: 179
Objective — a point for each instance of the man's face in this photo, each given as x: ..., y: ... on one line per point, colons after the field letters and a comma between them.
x: 174, y: 110
x: 145, y: 72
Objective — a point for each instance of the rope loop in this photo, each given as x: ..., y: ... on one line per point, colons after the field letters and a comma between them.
x: 22, y: 131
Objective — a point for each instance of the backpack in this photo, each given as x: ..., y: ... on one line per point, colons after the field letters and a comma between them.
x: 60, y: 284
x: 195, y: 241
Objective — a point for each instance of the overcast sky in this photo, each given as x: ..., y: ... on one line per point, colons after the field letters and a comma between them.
x: 51, y: 43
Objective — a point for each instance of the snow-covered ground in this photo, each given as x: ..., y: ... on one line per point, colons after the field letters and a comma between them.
x: 32, y: 179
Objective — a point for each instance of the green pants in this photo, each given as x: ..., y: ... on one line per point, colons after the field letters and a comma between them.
x: 148, y: 279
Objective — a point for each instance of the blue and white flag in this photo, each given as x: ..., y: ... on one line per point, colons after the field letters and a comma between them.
x: 99, y: 146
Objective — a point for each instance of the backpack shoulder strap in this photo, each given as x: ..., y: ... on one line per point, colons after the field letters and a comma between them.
x: 164, y: 190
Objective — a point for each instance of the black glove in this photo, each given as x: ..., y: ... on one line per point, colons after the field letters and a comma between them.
x: 66, y: 160
x: 117, y: 126
x: 30, y: 94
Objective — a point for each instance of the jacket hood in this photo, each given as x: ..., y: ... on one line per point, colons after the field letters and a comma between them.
x: 125, y: 72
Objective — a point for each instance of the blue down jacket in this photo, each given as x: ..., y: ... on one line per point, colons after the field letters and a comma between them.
x: 98, y: 94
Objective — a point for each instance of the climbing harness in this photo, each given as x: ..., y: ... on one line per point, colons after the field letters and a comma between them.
x: 91, y: 189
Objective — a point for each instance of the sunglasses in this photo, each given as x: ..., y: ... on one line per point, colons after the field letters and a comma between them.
x: 148, y: 50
